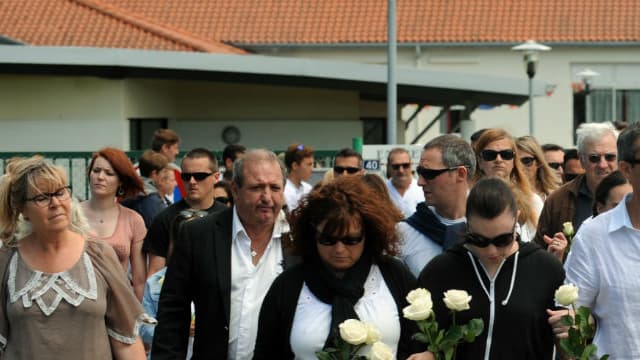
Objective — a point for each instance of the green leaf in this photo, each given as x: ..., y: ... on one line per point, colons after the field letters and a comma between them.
x: 475, y: 327
x: 588, y: 351
x: 566, y: 347
x: 448, y: 353
x: 454, y: 334
x: 421, y: 337
x: 567, y: 320
x: 604, y: 357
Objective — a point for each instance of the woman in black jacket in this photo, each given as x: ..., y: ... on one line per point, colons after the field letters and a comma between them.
x: 345, y: 236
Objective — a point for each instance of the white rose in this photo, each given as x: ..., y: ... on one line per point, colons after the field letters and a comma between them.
x: 420, y: 309
x: 353, y: 331
x: 566, y: 294
x: 567, y: 229
x: 418, y: 294
x: 380, y: 351
x: 373, y: 334
x: 457, y: 300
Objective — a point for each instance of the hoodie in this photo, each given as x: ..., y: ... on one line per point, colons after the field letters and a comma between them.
x: 512, y: 305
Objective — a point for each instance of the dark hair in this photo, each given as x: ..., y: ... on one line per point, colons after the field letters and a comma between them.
x: 231, y: 151
x: 347, y: 152
x: 570, y: 154
x: 296, y: 153
x: 337, y: 204
x: 476, y: 135
x: 627, y: 143
x: 224, y: 184
x: 203, y: 153
x: 131, y: 184
x: 150, y: 161
x: 551, y: 147
x: 489, y: 198
x: 164, y: 137
x: 604, y: 188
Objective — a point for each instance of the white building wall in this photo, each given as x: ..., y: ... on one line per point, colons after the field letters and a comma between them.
x: 553, y: 114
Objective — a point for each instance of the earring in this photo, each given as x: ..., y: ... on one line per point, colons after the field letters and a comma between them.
x: 120, y: 191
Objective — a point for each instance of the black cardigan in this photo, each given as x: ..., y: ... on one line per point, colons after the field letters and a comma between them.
x: 279, y: 305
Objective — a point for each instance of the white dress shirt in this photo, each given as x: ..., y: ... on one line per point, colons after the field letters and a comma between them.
x: 249, y: 285
x: 312, y: 320
x: 293, y: 193
x: 604, y: 262
x: 412, y: 197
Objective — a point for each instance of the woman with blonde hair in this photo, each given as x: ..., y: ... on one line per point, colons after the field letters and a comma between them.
x: 63, y: 294
x: 498, y: 157
x: 542, y: 177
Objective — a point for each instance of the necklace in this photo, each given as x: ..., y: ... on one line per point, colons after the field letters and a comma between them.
x: 255, y: 251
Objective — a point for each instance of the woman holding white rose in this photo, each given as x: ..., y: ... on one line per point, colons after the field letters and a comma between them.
x: 512, y: 283
x: 346, y: 240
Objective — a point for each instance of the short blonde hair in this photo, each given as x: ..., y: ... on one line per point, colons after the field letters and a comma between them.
x: 22, y: 175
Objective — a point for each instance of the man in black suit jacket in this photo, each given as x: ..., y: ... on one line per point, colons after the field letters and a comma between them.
x: 215, y: 260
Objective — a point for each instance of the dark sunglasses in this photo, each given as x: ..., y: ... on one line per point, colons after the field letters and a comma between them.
x: 191, y: 213
x: 527, y: 161
x: 498, y: 241
x: 430, y: 174
x: 332, y: 240
x: 490, y: 155
x: 397, y: 167
x: 199, y: 176
x: 595, y: 158
x: 348, y: 169
x: 222, y: 199
x: 555, y: 165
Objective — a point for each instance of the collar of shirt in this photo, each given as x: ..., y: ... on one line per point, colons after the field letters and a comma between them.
x: 237, y: 228
x: 620, y: 215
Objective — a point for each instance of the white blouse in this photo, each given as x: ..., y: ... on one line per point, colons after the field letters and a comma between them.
x: 313, y: 317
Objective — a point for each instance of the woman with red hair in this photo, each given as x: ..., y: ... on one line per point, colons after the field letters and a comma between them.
x: 112, y: 176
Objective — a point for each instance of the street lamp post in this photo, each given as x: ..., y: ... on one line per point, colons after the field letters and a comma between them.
x: 530, y: 48
x: 587, y: 76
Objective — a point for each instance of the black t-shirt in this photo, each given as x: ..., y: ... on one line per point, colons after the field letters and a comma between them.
x: 159, y: 233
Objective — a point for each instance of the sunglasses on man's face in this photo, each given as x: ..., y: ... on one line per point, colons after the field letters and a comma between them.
x: 430, y: 174
x: 199, y: 176
x: 332, y: 240
x: 498, y: 241
x: 397, y: 167
x: 555, y: 165
x: 490, y: 155
x: 348, y: 169
x: 595, y: 158
x: 527, y: 160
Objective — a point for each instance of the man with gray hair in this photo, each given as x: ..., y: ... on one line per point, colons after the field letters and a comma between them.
x: 224, y: 263
x: 403, y: 187
x: 573, y: 202
x: 447, y: 164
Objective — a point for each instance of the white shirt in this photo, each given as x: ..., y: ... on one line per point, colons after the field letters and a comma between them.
x: 604, y: 262
x: 312, y: 320
x: 417, y: 249
x: 412, y: 197
x: 249, y: 285
x: 293, y: 193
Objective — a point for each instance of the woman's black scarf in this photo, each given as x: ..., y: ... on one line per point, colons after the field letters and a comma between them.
x: 341, y: 293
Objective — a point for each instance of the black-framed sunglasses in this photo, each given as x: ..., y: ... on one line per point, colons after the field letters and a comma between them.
x: 199, y: 176
x: 397, y: 167
x: 348, y: 169
x: 222, y: 199
x: 430, y: 174
x: 501, y: 240
x: 595, y: 158
x: 45, y: 199
x: 332, y: 240
x: 555, y: 165
x: 192, y: 213
x: 490, y: 155
x: 527, y: 160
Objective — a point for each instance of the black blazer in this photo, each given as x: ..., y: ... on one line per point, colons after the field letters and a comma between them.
x: 200, y: 271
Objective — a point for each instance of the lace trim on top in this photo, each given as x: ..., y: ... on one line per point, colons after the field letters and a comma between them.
x: 62, y: 285
x: 142, y: 319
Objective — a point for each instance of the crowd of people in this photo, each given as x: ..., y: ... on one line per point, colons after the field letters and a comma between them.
x: 171, y: 261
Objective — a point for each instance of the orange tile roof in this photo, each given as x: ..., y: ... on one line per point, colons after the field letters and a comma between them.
x: 213, y: 25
